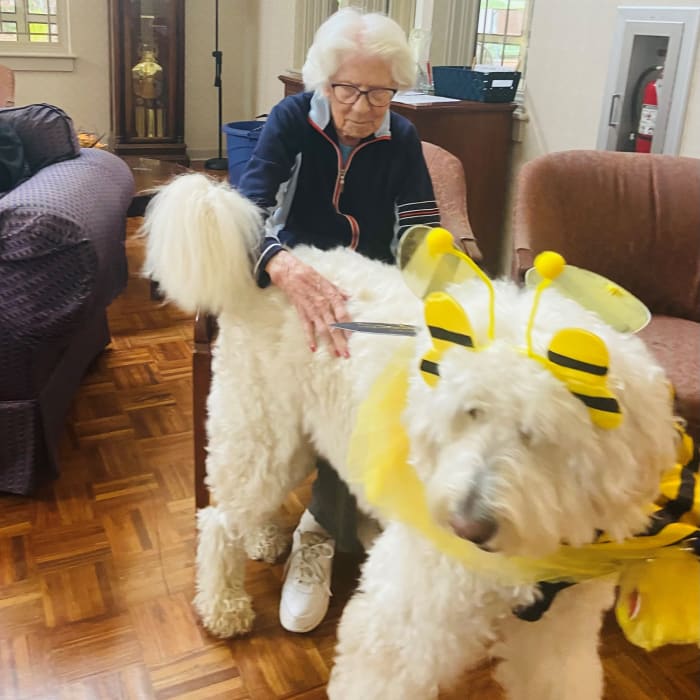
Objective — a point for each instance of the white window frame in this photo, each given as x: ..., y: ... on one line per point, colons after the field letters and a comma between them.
x: 41, y: 56
x: 503, y: 39
x: 456, y: 21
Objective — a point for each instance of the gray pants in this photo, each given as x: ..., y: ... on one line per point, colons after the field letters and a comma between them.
x: 335, y: 508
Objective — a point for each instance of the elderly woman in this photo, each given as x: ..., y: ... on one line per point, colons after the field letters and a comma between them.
x: 335, y: 167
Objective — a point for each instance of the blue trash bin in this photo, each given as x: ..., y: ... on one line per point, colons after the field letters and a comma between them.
x: 241, y: 139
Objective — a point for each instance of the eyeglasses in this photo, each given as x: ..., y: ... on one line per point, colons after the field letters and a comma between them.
x: 349, y: 94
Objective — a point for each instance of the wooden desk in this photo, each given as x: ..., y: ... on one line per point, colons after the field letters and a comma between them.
x: 479, y: 134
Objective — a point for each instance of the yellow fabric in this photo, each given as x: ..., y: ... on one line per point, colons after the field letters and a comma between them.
x: 659, y: 602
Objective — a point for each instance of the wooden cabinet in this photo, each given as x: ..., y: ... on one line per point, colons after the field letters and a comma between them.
x: 147, y: 50
x: 479, y: 134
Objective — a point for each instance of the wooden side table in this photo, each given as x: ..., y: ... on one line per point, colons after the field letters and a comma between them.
x: 148, y: 174
x: 480, y: 135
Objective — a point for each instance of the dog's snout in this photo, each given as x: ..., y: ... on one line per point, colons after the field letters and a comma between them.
x: 472, y: 518
x: 479, y: 531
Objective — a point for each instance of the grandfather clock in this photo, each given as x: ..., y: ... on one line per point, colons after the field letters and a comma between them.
x: 147, y: 41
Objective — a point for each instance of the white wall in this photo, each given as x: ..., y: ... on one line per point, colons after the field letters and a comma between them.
x: 567, y: 69
x: 84, y: 92
x: 276, y: 51
x: 238, y: 43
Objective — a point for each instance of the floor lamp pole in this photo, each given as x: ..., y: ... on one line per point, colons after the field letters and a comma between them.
x: 219, y: 163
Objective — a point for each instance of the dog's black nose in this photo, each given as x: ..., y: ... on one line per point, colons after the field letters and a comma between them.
x: 478, y: 531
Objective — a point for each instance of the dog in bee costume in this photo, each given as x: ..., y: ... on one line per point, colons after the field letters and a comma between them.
x: 511, y: 442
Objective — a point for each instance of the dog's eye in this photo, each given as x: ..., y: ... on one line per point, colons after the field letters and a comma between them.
x: 474, y: 413
x: 525, y: 436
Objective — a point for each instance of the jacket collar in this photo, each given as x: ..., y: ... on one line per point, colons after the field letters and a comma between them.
x: 320, y: 115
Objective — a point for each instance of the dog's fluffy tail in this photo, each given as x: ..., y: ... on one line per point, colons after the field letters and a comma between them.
x: 202, y: 238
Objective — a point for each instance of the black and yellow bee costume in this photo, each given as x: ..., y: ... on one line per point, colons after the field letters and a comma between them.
x: 658, y: 571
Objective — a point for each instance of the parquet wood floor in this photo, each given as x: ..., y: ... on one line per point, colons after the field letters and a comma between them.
x: 96, y: 571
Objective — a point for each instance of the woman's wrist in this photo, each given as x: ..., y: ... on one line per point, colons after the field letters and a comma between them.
x: 278, y: 265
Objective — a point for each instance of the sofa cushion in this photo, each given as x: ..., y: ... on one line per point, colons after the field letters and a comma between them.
x: 46, y: 132
x: 13, y: 167
x: 676, y: 344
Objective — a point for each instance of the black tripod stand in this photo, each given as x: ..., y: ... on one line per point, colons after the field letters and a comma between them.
x: 219, y: 163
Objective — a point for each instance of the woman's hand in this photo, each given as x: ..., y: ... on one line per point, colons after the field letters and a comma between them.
x: 318, y: 302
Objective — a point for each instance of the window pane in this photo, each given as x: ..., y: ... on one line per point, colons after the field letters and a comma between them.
x: 8, y: 31
x: 38, y: 31
x: 29, y: 21
x: 511, y: 56
x: 490, y: 54
x: 495, y: 20
x: 38, y: 7
x: 498, y: 54
x: 516, y: 19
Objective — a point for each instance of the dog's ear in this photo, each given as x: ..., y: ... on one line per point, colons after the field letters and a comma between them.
x: 580, y: 359
x: 448, y: 325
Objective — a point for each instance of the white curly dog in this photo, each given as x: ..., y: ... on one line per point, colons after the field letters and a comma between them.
x: 509, y: 457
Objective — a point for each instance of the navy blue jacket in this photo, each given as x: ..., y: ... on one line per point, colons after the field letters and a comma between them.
x: 296, y: 175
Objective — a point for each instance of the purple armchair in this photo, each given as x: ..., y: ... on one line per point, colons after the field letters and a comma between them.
x: 62, y: 261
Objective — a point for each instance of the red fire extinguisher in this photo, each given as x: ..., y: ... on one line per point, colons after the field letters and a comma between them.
x: 647, y: 118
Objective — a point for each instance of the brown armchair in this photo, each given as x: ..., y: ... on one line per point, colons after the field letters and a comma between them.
x: 450, y: 188
x: 634, y: 218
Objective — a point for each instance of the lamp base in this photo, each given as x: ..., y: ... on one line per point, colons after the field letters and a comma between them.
x: 216, y: 164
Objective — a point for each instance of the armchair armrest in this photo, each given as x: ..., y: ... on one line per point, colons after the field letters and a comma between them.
x: 471, y: 248
x: 523, y: 259
x: 450, y: 188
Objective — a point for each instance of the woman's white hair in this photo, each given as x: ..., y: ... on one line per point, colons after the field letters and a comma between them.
x: 349, y: 32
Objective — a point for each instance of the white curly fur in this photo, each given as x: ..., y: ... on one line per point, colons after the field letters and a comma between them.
x: 499, y: 436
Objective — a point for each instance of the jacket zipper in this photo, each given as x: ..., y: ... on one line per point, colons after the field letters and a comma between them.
x: 340, y: 182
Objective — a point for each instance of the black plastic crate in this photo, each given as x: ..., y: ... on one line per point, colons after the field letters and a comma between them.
x: 467, y: 84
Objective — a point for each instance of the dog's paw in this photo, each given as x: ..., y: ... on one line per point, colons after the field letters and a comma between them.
x: 229, y: 615
x: 267, y: 543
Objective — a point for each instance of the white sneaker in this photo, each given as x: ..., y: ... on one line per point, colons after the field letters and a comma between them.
x: 306, y: 589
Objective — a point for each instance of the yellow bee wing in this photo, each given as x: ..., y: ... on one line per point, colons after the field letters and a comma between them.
x: 424, y: 271
x: 614, y: 304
